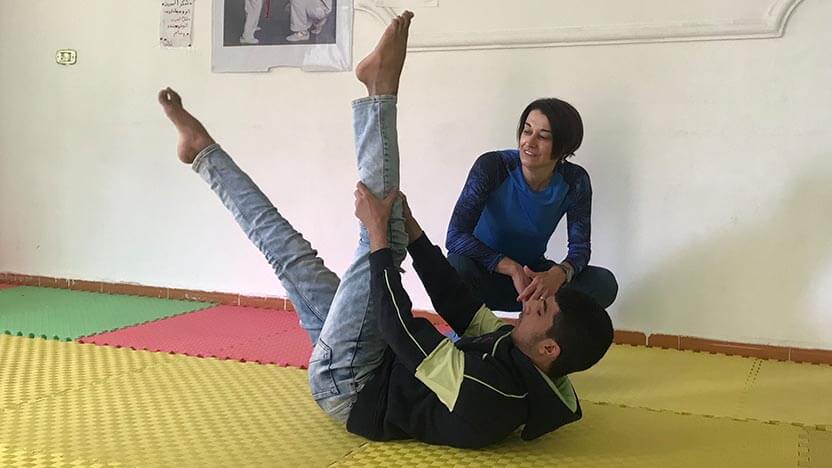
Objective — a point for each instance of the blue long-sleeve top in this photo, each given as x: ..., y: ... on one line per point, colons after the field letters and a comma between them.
x: 499, y: 215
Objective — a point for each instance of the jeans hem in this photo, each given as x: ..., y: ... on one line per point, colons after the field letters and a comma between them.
x: 374, y: 99
x: 202, y: 154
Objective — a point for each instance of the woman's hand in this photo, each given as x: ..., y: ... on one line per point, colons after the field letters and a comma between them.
x: 543, y: 285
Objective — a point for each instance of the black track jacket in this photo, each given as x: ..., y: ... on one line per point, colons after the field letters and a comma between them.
x: 467, y: 394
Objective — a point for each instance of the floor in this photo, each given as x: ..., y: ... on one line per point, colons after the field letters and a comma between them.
x: 92, y: 379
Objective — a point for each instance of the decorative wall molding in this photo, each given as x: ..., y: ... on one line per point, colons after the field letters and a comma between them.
x: 769, y: 23
x: 382, y: 14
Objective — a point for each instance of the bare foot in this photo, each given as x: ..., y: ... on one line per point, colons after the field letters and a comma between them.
x: 193, y: 137
x: 380, y: 71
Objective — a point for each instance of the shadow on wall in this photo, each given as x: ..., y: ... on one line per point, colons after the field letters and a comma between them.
x: 610, y: 145
x: 749, y: 283
x: 606, y: 153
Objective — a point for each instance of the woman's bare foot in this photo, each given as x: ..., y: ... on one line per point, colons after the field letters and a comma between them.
x: 380, y: 71
x: 193, y: 137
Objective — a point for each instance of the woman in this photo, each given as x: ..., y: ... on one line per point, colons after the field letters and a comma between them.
x: 510, y: 206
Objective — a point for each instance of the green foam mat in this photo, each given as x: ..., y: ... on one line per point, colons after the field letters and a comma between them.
x: 62, y: 314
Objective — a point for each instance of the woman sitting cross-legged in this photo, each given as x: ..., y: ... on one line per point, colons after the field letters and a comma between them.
x: 511, y: 204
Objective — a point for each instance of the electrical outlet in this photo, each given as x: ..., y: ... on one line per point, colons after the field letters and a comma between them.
x: 66, y: 57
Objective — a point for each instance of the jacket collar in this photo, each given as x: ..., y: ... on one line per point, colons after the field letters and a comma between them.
x: 551, y: 404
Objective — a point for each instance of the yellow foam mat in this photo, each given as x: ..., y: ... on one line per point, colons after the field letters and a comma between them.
x: 710, y: 384
x: 786, y: 391
x: 611, y: 436
x: 15, y: 458
x: 36, y: 368
x: 68, y: 404
x: 184, y: 412
x: 680, y: 381
x: 819, y: 449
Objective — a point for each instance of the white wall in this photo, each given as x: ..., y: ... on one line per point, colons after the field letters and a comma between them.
x: 711, y: 161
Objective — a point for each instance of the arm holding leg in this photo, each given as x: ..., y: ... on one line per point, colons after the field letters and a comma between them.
x: 451, y: 297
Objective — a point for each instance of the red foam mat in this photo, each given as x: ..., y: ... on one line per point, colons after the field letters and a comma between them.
x: 225, y: 332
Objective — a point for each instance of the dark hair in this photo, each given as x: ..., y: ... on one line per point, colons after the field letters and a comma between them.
x: 582, y: 329
x: 565, y: 122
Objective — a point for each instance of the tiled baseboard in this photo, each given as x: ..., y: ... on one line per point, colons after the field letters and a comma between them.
x: 656, y: 340
x: 278, y: 303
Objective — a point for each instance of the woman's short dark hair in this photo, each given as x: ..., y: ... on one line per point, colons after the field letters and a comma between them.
x: 583, y: 331
x: 565, y: 122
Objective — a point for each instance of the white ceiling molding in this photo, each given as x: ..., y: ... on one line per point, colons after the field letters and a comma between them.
x: 382, y: 14
x: 758, y: 19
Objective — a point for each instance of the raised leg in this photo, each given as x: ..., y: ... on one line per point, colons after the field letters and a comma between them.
x: 351, y: 346
x: 310, y: 285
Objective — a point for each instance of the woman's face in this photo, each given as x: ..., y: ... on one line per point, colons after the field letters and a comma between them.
x: 536, y: 141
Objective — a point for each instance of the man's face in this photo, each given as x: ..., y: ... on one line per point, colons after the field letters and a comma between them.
x: 535, y: 320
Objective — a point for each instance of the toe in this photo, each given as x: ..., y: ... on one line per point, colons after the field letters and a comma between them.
x: 174, y: 97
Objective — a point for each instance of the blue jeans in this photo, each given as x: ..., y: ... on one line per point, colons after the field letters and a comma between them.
x: 498, y: 293
x: 337, y: 314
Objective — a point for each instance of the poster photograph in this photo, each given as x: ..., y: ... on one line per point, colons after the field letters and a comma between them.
x: 256, y: 35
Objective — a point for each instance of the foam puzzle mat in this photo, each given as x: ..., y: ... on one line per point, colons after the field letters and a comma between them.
x: 610, y: 436
x: 787, y: 391
x: 181, y: 411
x: 680, y: 381
x: 818, y: 449
x: 63, y: 314
x: 87, y: 404
x: 710, y: 384
x: 225, y: 332
x: 33, y: 368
